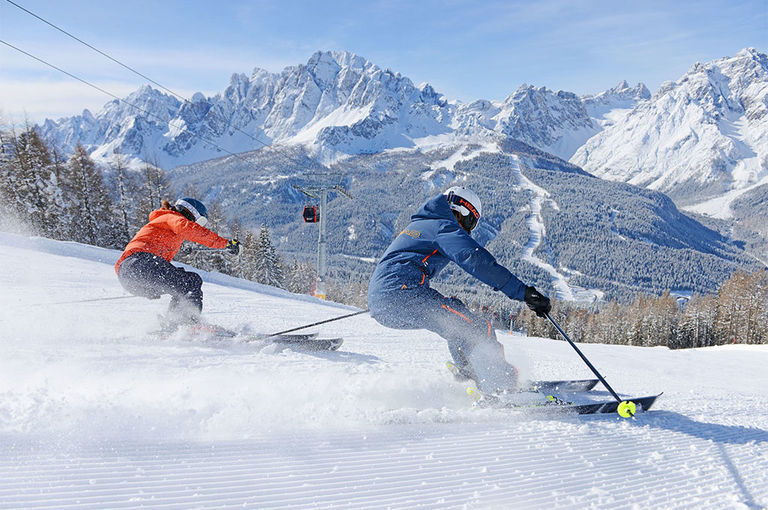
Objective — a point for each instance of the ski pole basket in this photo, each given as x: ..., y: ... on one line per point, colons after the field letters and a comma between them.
x: 310, y: 214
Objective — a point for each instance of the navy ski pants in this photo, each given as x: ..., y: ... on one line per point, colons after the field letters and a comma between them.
x: 147, y: 275
x: 426, y: 308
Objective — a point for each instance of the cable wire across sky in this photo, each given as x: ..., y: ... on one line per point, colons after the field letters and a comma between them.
x: 129, y: 68
x: 86, y: 82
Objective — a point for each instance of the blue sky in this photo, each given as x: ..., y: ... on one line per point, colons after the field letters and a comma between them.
x: 466, y: 49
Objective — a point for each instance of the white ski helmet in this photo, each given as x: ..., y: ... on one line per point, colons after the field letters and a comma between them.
x: 466, y: 203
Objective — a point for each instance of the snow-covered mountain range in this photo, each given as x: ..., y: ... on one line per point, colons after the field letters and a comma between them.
x: 703, y: 136
x: 702, y: 139
x: 336, y: 104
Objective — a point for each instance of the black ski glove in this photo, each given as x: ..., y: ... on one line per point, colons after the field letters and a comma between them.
x: 537, y: 301
x: 233, y: 246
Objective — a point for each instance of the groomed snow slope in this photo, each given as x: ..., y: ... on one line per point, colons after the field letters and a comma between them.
x: 94, y: 413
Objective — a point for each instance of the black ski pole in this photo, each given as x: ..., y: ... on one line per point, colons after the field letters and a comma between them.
x: 591, y: 367
x: 206, y: 249
x: 316, y: 323
x: 85, y: 300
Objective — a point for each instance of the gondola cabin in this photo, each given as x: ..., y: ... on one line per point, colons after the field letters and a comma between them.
x: 310, y: 214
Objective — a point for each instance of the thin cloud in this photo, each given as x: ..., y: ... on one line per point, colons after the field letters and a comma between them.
x: 36, y: 101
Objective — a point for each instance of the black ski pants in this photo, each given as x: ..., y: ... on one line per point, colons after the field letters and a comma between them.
x: 147, y: 275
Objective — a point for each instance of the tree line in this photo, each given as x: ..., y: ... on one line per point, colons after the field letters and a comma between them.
x: 70, y: 198
x: 737, y: 314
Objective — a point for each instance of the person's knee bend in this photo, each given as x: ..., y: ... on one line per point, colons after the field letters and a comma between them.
x: 193, y: 282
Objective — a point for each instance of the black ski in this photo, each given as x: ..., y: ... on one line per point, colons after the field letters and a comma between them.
x: 556, y: 405
x: 612, y: 406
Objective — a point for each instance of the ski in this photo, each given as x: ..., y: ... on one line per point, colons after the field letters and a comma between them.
x: 612, y: 406
x: 207, y: 332
x: 299, y: 341
x: 311, y: 343
x: 297, y: 337
x: 552, y: 404
x: 563, y: 385
x: 200, y: 331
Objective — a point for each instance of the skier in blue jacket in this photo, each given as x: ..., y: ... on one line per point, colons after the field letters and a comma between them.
x: 400, y: 297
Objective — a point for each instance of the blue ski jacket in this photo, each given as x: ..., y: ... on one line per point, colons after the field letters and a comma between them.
x: 432, y: 240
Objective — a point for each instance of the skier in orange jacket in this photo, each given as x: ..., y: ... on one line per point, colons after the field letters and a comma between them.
x: 145, y: 269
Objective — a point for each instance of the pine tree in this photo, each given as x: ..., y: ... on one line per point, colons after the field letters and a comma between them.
x: 92, y: 207
x: 29, y: 161
x: 300, y: 277
x: 8, y: 199
x: 697, y: 323
x: 154, y: 187
x: 246, y: 261
x: 269, y: 267
x: 731, y: 309
x: 126, y: 194
x: 65, y: 224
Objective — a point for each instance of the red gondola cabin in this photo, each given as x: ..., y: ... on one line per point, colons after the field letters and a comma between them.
x: 310, y: 214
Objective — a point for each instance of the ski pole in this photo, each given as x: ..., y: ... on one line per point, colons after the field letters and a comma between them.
x: 206, y: 249
x: 84, y: 300
x: 591, y: 367
x: 316, y: 323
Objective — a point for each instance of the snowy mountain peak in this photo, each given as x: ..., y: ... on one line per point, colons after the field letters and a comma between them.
x: 610, y: 106
x: 625, y: 90
x: 696, y: 138
x: 340, y: 59
x: 622, y: 92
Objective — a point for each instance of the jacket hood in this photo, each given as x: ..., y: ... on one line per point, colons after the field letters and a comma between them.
x: 433, y: 209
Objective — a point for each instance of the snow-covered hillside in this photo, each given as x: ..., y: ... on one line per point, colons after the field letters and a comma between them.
x: 336, y: 104
x: 702, y: 139
x: 95, y: 413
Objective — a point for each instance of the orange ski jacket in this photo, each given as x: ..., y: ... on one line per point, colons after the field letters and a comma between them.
x: 165, y: 232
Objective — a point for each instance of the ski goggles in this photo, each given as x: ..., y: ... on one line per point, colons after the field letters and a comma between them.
x: 196, y: 216
x: 469, y: 215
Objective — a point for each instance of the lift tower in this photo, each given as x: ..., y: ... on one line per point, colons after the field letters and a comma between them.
x: 321, y: 192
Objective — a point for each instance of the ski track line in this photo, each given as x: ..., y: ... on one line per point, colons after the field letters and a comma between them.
x: 481, y: 468
x: 197, y: 463
x: 286, y: 468
x: 536, y: 231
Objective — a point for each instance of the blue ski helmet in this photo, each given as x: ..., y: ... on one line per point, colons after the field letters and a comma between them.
x: 195, y: 210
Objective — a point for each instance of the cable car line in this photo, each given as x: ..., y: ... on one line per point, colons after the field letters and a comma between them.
x: 129, y: 68
x: 147, y: 112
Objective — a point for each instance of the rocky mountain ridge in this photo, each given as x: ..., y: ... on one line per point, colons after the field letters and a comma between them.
x: 337, y: 104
